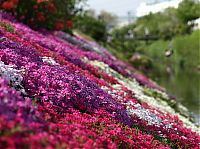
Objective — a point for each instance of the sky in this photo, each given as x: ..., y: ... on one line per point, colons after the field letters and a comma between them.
x: 119, y: 7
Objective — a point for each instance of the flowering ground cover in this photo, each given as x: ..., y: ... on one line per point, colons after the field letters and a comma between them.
x: 63, y: 91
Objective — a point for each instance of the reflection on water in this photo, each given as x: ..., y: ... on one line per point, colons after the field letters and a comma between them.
x: 183, y: 83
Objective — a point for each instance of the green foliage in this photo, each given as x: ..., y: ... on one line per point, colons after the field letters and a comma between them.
x: 8, y: 27
x: 186, y: 48
x: 189, y: 10
x: 96, y: 26
x: 91, y: 26
x: 108, y: 18
x: 162, y: 25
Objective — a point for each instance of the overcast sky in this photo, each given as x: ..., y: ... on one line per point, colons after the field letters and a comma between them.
x: 119, y: 7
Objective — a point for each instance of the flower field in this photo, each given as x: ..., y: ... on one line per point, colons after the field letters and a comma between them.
x: 63, y: 91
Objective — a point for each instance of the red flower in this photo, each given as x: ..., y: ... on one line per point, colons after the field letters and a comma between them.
x: 69, y: 24
x: 31, y: 21
x: 15, y: 1
x: 59, y: 25
x: 22, y: 17
x: 35, y: 6
x: 40, y: 17
x: 41, y: 1
x: 52, y: 8
x: 8, y: 5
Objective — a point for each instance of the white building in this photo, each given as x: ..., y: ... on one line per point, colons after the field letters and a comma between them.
x: 145, y: 8
x: 196, y: 24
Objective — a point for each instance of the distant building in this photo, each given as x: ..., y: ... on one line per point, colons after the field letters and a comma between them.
x: 156, y: 6
x: 196, y: 24
x: 125, y: 20
x: 122, y: 21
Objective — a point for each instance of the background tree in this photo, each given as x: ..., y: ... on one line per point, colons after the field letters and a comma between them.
x: 96, y: 26
x: 108, y: 18
x: 88, y: 23
x: 189, y: 10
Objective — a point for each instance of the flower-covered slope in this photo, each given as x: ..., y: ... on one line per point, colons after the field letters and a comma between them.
x: 62, y: 91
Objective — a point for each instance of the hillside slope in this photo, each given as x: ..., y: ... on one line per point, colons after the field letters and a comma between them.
x: 63, y: 91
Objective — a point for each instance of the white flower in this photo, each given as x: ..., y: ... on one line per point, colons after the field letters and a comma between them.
x: 12, y: 75
x: 49, y: 60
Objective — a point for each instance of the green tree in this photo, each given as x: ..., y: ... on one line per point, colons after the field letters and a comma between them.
x: 91, y: 26
x: 108, y: 18
x: 189, y: 10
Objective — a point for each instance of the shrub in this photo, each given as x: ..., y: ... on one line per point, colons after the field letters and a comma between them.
x: 49, y: 14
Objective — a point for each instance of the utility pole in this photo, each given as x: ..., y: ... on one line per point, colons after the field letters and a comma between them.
x: 129, y: 17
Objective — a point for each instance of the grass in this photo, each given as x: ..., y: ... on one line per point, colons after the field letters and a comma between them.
x: 8, y: 27
x: 186, y: 50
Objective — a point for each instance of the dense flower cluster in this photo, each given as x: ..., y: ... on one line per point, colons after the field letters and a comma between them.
x: 50, y: 14
x: 63, y: 91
